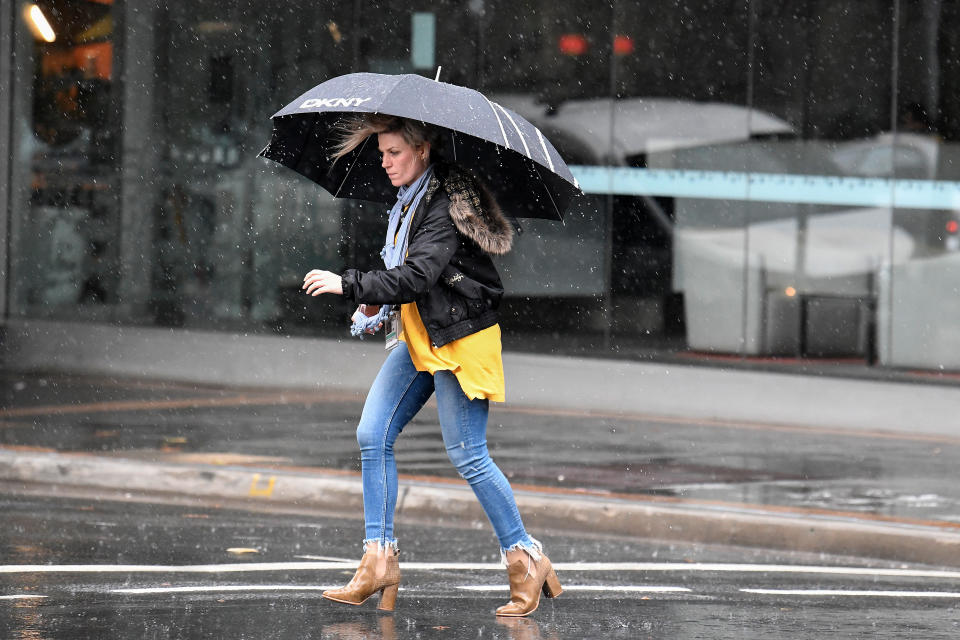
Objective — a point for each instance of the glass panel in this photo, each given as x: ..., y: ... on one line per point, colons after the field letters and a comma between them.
x: 553, y: 68
x: 757, y: 181
x: 65, y: 228
x: 234, y: 235
x: 233, y: 232
x: 819, y: 214
x: 918, y: 313
x: 678, y: 248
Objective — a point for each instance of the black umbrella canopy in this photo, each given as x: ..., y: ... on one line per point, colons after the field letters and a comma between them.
x: 514, y: 159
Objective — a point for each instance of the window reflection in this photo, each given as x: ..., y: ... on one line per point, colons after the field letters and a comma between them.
x: 69, y: 255
x: 731, y: 152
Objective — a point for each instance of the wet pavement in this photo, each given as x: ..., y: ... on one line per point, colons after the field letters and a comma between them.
x: 906, y: 476
x: 85, y: 568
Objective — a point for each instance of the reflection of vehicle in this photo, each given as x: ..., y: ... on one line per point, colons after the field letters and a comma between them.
x: 755, y: 275
x: 631, y: 132
x: 621, y: 131
x: 838, y: 263
x: 904, y: 156
x: 916, y: 310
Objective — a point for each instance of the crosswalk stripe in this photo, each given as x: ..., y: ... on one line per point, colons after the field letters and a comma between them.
x: 624, y: 588
x: 223, y: 589
x: 574, y: 567
x: 854, y: 593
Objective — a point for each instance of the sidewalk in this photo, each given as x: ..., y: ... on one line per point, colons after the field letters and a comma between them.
x: 685, y: 453
x: 908, y: 404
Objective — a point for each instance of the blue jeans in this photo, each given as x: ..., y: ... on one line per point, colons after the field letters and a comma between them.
x: 398, y: 393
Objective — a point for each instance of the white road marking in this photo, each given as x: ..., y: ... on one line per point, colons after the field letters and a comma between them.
x: 683, y: 567
x: 707, y: 567
x: 224, y: 588
x: 480, y: 588
x: 587, y: 587
x: 327, y: 559
x: 22, y: 597
x: 196, y: 568
x: 576, y: 567
x: 854, y: 593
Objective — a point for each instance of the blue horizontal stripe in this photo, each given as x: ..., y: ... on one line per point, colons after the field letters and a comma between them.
x: 770, y: 187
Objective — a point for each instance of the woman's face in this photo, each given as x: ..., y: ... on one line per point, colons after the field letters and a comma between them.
x: 403, y: 162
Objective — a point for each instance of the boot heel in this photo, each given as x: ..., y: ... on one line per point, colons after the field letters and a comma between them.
x: 388, y: 597
x: 551, y: 586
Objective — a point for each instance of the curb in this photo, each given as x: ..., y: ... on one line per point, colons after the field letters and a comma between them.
x: 444, y: 502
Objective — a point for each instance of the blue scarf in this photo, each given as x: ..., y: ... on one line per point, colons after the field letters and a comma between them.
x: 395, y: 246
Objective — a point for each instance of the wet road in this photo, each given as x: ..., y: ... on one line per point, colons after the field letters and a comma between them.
x: 898, y: 475
x: 86, y: 568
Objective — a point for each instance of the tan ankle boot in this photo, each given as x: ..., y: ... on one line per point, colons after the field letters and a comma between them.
x: 527, y: 579
x: 379, y: 570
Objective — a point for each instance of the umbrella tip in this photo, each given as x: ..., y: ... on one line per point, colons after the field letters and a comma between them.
x: 437, y: 77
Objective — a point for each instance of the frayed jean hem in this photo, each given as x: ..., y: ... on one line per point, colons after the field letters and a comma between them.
x: 373, y: 544
x: 531, y: 545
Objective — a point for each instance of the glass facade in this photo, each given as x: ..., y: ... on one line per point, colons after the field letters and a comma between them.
x: 762, y: 179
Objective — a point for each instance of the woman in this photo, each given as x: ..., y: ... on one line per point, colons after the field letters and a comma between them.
x: 438, y: 297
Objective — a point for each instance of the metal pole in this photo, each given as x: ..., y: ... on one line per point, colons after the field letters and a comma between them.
x: 7, y: 17
x: 745, y: 299
x: 139, y: 155
x: 932, y: 15
x: 19, y: 79
x: 894, y: 99
x: 811, y: 20
x: 608, y: 239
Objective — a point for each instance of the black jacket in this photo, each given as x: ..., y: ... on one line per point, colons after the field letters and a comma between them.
x: 448, y: 271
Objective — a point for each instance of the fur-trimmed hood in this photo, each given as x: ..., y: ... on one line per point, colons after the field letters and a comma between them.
x: 473, y: 208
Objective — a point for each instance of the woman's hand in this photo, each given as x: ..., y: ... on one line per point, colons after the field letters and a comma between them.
x: 319, y: 281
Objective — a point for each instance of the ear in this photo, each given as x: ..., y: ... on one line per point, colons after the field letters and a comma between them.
x: 425, y: 151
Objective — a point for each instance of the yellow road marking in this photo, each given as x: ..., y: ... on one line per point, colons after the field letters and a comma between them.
x: 259, y: 491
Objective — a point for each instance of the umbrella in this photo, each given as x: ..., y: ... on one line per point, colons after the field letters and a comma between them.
x: 510, y: 155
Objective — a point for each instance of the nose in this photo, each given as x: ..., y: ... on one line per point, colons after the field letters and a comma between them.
x: 383, y: 161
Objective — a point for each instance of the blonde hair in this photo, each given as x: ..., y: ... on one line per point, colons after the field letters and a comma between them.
x: 357, y: 129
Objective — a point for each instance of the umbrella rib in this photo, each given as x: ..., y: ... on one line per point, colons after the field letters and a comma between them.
x: 503, y: 132
x: 356, y: 157
x: 519, y: 133
x: 544, y: 184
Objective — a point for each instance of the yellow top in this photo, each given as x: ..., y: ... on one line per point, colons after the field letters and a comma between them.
x: 475, y: 359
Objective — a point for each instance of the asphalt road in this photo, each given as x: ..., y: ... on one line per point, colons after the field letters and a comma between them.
x: 904, y: 475
x: 89, y: 568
